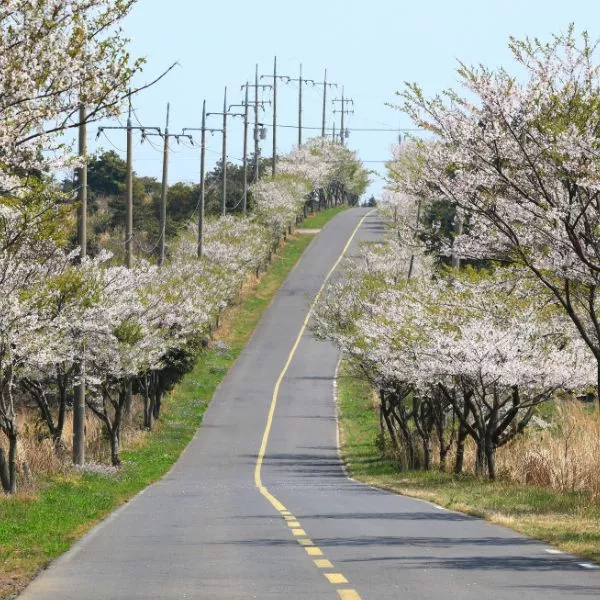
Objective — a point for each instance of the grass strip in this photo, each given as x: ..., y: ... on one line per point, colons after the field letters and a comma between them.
x: 319, y: 219
x: 569, y: 521
x: 36, y: 529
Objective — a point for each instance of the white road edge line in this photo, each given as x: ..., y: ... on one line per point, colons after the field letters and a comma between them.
x: 589, y: 566
x: 553, y: 551
x: 339, y: 446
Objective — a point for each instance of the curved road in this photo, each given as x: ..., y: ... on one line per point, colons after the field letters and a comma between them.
x: 205, y: 531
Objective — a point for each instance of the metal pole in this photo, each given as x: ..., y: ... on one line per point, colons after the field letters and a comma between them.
x: 202, y: 158
x: 274, y: 166
x: 79, y: 400
x: 342, y: 123
x: 245, y: 156
x: 300, y: 108
x: 129, y: 193
x: 324, y: 104
x: 458, y: 229
x: 82, y: 181
x: 224, y: 189
x: 163, y: 194
x: 256, y: 149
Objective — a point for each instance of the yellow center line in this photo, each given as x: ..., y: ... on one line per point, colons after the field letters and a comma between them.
x: 323, y: 563
x: 335, y: 578
x: 287, y: 515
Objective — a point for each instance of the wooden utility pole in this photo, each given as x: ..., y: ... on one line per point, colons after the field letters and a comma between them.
x: 79, y: 400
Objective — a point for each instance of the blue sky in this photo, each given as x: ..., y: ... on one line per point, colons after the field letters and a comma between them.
x: 370, y: 47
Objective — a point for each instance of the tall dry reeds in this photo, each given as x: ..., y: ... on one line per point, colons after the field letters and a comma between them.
x: 565, y: 457
x: 37, y: 454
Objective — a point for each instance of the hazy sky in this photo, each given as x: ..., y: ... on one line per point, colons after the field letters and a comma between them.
x: 370, y: 47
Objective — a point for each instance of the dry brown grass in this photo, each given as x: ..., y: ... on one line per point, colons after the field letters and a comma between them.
x: 564, y: 458
x: 38, y: 456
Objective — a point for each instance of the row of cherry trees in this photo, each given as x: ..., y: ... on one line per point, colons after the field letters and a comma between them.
x: 137, y: 326
x: 66, y: 321
x: 471, y: 351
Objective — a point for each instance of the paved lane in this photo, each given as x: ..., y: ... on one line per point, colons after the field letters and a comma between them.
x: 206, y: 532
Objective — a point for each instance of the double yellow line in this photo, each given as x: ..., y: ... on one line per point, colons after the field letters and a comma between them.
x: 291, y: 521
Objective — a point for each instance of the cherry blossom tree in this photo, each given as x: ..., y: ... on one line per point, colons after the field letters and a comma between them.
x: 54, y: 56
x: 518, y: 155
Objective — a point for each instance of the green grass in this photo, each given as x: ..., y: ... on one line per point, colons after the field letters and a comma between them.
x: 570, y: 521
x: 36, y: 529
x: 319, y: 219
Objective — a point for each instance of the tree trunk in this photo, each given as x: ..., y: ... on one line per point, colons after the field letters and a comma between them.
x: 490, y: 456
x: 460, y: 444
x: 114, y: 447
x: 381, y: 424
x: 443, y: 456
x: 12, y: 462
x: 4, y: 474
x: 427, y: 454
x: 148, y: 403
x: 128, y: 399
x: 157, y: 396
x: 480, y: 461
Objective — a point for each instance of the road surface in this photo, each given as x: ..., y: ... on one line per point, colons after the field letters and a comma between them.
x: 206, y: 531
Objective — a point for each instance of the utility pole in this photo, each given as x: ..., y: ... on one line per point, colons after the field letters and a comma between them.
x: 82, y: 182
x: 129, y: 193
x: 202, y: 159
x: 300, y: 108
x: 166, y: 136
x: 344, y: 111
x: 257, y: 104
x: 79, y: 400
x: 224, y: 188
x: 224, y: 114
x: 274, y: 165
x: 203, y: 131
x: 458, y: 229
x: 163, y: 193
x: 301, y: 81
x: 129, y: 181
x: 325, y: 85
x: 245, y: 157
x: 244, y: 104
x: 274, y: 86
x: 256, y: 148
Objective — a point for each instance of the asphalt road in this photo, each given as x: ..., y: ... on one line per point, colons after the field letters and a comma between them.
x: 206, y: 531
